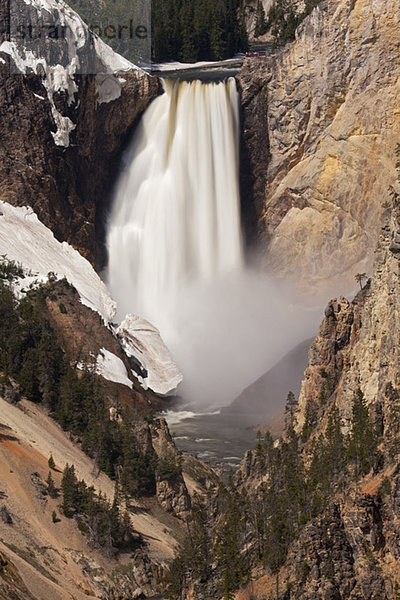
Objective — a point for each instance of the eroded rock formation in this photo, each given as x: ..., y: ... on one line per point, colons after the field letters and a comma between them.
x: 356, y: 346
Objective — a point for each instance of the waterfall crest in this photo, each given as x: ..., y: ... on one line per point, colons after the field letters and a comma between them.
x: 175, y: 220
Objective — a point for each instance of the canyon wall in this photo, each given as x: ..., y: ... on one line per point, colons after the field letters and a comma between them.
x: 357, y: 345
x: 64, y: 124
x: 321, y: 120
x: 350, y: 550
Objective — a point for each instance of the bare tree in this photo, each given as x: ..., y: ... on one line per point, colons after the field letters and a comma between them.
x: 360, y: 277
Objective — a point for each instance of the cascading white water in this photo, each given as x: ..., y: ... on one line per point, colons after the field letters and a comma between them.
x: 175, y: 249
x: 175, y: 220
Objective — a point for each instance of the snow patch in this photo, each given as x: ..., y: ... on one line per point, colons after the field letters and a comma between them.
x: 62, y: 79
x: 109, y: 366
x: 143, y: 341
x: 108, y: 88
x: 75, y: 26
x: 24, y: 239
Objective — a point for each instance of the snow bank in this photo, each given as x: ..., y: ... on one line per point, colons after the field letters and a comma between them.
x: 26, y: 240
x: 110, y: 59
x: 142, y: 340
x: 112, y: 368
x: 78, y: 36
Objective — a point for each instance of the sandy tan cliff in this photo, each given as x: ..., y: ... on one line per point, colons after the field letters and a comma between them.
x: 53, y: 560
x: 321, y: 119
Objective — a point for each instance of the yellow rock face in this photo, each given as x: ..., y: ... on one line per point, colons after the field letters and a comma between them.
x: 333, y: 110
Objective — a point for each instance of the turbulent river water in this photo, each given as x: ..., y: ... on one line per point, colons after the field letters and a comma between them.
x: 218, y: 439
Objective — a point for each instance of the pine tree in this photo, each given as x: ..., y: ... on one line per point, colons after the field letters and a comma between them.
x: 233, y: 567
x: 310, y: 420
x: 363, y: 442
x: 261, y: 25
x: 360, y: 277
x: 51, y: 488
x: 290, y: 407
x: 189, y: 50
x: 200, y: 540
x: 335, y: 443
x: 69, y: 490
x: 49, y: 362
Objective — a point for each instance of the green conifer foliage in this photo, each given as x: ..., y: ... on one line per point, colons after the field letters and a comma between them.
x: 261, y: 25
x: 363, y: 443
x: 69, y: 491
x: 95, y: 516
x: 185, y: 30
x: 51, y: 488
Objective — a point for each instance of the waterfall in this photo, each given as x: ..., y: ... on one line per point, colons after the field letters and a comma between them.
x: 175, y: 220
x: 175, y: 248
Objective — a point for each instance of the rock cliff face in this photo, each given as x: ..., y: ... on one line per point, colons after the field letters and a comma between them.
x: 63, y: 130
x: 84, y: 337
x: 320, y: 125
x: 357, y: 342
x: 357, y: 347
x: 171, y: 488
x: 351, y: 550
x: 250, y: 16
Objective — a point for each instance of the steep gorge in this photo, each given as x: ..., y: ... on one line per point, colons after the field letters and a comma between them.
x: 320, y: 126
x: 314, y: 514
x: 350, y: 550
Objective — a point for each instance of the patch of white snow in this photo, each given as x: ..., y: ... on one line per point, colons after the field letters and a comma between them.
x: 141, y: 339
x: 110, y: 59
x: 61, y: 78
x: 109, y: 366
x: 24, y: 239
